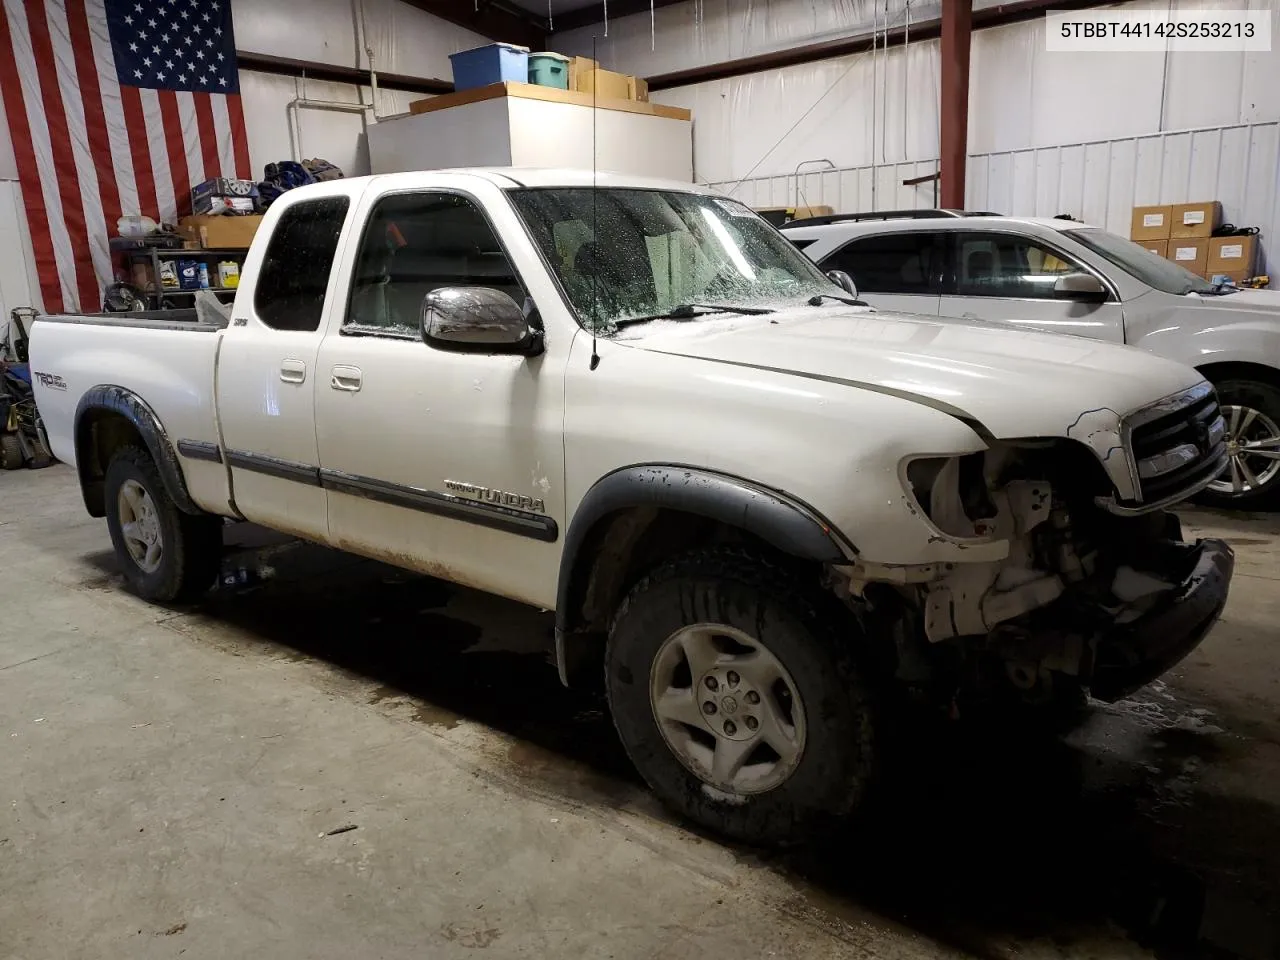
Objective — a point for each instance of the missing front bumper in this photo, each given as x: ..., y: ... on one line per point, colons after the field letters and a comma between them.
x: 1132, y: 655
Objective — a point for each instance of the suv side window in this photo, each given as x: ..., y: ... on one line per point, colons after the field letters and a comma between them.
x: 418, y: 242
x: 889, y: 263
x: 1007, y: 265
x: 295, y: 271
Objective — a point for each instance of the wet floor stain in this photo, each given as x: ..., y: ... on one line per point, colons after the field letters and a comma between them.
x: 994, y: 836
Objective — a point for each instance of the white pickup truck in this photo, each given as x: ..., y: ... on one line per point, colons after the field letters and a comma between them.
x: 763, y: 513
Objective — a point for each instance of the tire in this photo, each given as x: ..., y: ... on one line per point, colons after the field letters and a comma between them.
x: 1264, y: 400
x: 190, y: 546
x: 797, y: 624
x: 10, y: 451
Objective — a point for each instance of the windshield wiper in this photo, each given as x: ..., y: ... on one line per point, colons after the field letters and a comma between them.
x: 690, y: 311
x: 817, y: 298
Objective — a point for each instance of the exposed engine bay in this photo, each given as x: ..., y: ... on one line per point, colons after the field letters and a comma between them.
x: 1082, y: 598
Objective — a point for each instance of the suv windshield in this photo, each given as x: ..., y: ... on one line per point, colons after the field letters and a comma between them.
x: 623, y: 254
x: 1153, y: 270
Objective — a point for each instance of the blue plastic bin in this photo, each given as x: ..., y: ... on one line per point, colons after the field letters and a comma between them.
x: 493, y: 63
x: 549, y: 70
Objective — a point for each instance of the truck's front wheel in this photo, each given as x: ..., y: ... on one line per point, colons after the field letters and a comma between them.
x: 738, y: 699
x: 164, y: 554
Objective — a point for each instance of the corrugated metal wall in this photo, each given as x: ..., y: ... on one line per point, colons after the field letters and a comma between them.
x: 1099, y: 181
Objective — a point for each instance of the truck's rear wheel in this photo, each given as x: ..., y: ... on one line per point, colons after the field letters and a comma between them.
x: 164, y: 554
x: 738, y: 701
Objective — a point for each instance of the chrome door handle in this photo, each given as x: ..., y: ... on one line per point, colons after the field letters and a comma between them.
x: 293, y: 371
x: 346, y: 378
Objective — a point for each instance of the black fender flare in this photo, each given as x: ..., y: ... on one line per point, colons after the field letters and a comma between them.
x: 780, y: 520
x: 127, y: 404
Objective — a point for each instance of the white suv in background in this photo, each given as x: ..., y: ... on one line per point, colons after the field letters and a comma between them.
x: 1063, y: 276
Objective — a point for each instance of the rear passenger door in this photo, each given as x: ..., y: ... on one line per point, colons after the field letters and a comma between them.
x: 266, y: 369
x: 1009, y: 277
x: 893, y: 271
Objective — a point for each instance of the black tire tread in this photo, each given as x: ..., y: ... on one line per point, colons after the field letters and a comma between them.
x: 193, y: 543
x: 776, y: 581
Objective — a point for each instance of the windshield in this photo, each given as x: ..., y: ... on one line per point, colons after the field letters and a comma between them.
x: 1155, y: 271
x: 623, y: 254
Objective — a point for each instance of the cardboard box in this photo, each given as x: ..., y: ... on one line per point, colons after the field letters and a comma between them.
x: 1190, y: 254
x: 1195, y: 219
x: 579, y: 67
x: 638, y: 89
x: 1232, y: 254
x: 1151, y: 223
x: 607, y: 85
x: 1159, y: 247
x: 218, y: 233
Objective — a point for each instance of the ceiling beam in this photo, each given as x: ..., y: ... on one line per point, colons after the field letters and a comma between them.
x: 500, y: 20
x: 845, y: 46
x: 287, y: 67
x: 593, y: 14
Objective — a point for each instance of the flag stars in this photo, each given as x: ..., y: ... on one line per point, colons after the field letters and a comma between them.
x: 133, y: 48
x: 151, y: 23
x: 168, y: 64
x: 222, y: 81
x: 200, y: 54
x: 160, y: 77
x: 138, y: 74
x: 189, y: 41
x: 204, y: 81
x: 128, y: 21
x: 185, y: 15
x: 137, y: 8
x: 146, y: 61
x: 220, y: 56
x: 156, y: 51
x: 205, y: 17
x: 182, y: 78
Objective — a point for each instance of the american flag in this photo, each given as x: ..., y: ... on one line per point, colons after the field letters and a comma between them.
x: 115, y: 107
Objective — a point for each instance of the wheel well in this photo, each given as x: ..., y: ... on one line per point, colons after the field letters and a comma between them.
x: 1241, y: 370
x: 99, y: 434
x: 621, y: 548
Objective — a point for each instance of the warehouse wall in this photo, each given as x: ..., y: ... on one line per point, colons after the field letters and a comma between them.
x: 875, y: 119
x: 403, y: 40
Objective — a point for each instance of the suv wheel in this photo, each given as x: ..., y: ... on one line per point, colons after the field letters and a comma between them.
x: 738, y: 701
x: 1252, y: 477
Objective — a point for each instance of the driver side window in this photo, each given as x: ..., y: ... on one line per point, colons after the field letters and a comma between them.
x: 1005, y: 265
x: 414, y: 243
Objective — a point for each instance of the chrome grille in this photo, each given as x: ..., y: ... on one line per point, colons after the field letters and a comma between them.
x: 1178, y: 445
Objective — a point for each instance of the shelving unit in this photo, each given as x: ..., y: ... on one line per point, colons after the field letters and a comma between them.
x: 153, y: 256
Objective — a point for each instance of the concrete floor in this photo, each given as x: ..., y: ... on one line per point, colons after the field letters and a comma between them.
x: 173, y: 782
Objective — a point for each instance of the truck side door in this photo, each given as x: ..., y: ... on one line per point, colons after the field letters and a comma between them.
x: 447, y: 462
x: 1009, y: 277
x: 266, y: 369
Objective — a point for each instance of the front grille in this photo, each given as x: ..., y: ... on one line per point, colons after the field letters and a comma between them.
x: 1177, y: 450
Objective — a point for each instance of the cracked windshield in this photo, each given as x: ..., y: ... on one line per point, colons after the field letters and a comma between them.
x: 627, y: 256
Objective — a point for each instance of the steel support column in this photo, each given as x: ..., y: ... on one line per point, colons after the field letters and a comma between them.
x: 957, y: 31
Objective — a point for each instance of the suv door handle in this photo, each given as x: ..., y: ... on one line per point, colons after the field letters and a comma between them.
x: 346, y: 378
x: 293, y: 371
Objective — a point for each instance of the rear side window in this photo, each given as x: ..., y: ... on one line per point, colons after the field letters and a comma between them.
x: 892, y: 263
x: 295, y: 272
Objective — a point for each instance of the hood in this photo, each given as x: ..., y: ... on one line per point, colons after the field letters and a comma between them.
x: 1254, y: 301
x: 1012, y: 382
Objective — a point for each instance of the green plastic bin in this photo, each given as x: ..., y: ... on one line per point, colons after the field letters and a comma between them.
x: 549, y: 70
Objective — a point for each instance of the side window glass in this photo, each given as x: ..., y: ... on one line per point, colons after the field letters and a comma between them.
x: 415, y: 243
x: 892, y: 263
x: 295, y: 271
x: 1004, y: 265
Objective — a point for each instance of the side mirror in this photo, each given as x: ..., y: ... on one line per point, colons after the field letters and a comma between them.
x: 1084, y: 287
x: 844, y: 282
x: 479, y: 320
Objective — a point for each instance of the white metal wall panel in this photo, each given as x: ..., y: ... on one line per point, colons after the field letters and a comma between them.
x: 1102, y: 181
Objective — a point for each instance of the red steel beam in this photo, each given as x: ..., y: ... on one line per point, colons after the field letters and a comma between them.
x: 957, y: 32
